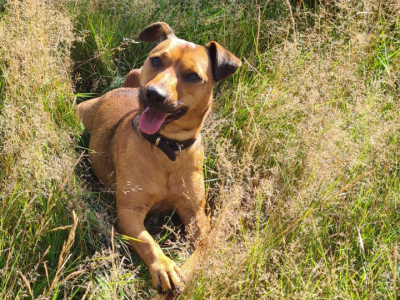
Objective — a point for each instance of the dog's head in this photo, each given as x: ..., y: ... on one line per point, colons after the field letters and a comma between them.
x: 176, y: 82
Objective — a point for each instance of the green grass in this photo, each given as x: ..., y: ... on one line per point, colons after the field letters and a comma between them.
x: 302, y: 150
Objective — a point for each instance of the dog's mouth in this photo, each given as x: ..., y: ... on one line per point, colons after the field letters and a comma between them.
x: 152, y: 120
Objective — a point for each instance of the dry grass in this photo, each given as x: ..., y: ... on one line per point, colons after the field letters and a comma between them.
x: 35, y: 42
x: 37, y: 157
x: 302, y: 166
x: 318, y: 152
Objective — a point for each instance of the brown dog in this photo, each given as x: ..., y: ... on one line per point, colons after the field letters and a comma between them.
x: 146, y: 140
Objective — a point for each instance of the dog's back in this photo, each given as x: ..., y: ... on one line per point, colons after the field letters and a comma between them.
x: 101, y: 118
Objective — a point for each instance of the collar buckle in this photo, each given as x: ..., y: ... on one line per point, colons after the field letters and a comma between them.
x: 157, y: 141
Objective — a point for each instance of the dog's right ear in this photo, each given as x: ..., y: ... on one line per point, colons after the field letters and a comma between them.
x: 159, y: 31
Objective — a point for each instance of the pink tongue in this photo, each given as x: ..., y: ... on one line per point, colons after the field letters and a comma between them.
x: 151, y: 120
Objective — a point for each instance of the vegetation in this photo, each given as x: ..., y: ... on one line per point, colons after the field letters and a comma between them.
x: 302, y: 166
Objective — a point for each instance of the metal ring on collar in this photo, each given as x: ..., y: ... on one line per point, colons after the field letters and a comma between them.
x: 179, y: 147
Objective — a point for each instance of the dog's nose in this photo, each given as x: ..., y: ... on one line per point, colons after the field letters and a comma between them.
x: 155, y: 95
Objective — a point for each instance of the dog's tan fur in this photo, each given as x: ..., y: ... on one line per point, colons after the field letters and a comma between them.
x: 145, y: 179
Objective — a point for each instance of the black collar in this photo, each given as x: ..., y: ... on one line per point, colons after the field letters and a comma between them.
x: 169, y: 147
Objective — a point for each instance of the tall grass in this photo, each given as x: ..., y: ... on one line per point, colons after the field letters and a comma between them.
x: 37, y: 160
x: 302, y: 150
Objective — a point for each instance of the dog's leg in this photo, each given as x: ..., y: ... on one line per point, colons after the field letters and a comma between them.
x: 165, y: 274
x: 195, y: 221
x: 87, y: 111
x: 198, y: 223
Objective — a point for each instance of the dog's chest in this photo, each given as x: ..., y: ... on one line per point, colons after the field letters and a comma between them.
x: 186, y: 184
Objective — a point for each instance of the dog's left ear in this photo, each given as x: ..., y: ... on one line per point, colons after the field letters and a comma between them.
x: 224, y: 63
x: 159, y: 31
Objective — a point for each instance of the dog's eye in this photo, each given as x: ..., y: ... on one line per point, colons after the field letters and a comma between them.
x: 193, y: 77
x: 155, y: 62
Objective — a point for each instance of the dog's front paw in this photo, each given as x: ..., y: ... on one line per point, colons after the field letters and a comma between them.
x: 166, y: 276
